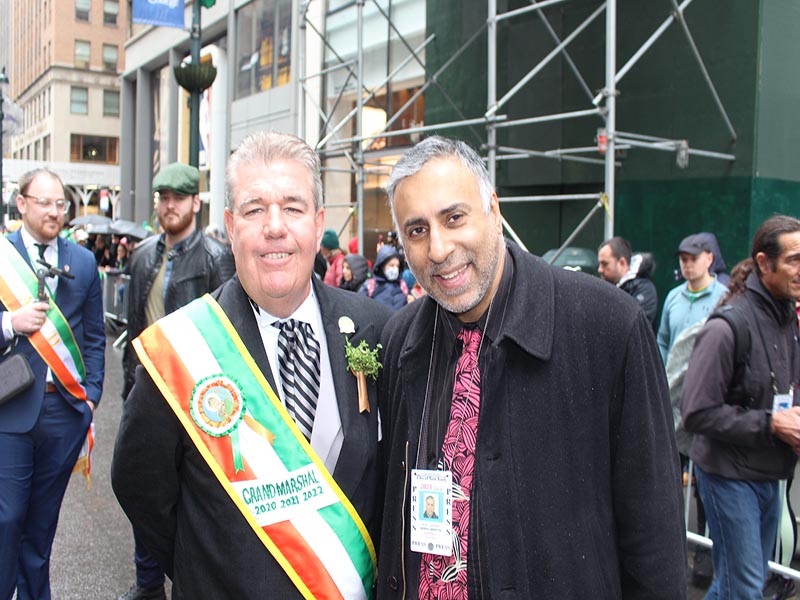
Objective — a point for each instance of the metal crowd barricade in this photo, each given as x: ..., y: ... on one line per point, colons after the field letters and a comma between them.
x: 115, y: 301
x: 704, y: 541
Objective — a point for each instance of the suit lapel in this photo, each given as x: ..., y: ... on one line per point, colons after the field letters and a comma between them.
x: 234, y: 301
x: 16, y: 239
x: 356, y: 428
x: 64, y: 258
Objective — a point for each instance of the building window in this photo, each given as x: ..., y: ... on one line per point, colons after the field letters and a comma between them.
x: 79, y: 100
x: 83, y: 51
x: 82, y: 8
x: 109, y: 57
x: 93, y: 148
x: 263, y: 30
x: 46, y: 148
x: 110, y: 103
x: 110, y: 11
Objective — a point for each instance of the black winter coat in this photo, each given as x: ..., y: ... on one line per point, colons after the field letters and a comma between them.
x: 577, y: 491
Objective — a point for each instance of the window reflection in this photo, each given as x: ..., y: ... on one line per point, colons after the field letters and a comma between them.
x: 263, y: 30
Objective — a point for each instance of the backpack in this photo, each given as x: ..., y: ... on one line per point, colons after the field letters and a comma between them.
x: 371, y: 286
x: 738, y: 389
x: 678, y: 363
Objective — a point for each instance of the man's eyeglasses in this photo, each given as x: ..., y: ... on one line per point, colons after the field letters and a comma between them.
x: 47, y: 203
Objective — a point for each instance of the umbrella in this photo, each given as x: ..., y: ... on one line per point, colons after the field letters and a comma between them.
x: 98, y: 228
x: 90, y: 220
x: 128, y: 228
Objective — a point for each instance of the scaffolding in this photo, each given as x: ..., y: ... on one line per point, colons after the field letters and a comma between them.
x: 600, y: 106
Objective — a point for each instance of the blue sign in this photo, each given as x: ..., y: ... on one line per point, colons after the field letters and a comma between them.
x: 166, y: 13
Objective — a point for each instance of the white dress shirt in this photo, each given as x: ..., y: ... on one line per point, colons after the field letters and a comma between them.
x: 50, y: 256
x: 327, y: 435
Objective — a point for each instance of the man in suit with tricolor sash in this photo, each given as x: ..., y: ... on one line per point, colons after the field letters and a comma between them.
x: 43, y: 428
x: 247, y: 456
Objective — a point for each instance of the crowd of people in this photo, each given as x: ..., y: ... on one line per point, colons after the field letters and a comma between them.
x: 457, y: 419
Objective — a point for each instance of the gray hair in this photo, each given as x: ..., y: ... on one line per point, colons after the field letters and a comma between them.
x: 266, y: 146
x: 26, y: 179
x: 435, y: 147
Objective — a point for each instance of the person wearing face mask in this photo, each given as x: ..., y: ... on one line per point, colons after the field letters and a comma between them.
x: 386, y: 286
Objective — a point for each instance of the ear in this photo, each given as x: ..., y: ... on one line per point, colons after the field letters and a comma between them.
x: 228, y: 216
x: 319, y: 224
x: 764, y: 263
x: 21, y: 207
x: 196, y: 203
x: 494, y: 210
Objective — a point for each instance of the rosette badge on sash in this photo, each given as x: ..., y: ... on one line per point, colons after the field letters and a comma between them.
x: 217, y: 407
x: 257, y: 453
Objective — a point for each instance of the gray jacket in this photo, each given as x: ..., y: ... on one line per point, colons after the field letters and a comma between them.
x: 732, y: 441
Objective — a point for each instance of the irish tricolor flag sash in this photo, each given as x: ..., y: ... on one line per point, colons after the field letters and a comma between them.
x: 257, y: 453
x: 54, y: 342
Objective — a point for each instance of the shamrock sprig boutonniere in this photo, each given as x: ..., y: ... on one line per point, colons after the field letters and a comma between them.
x: 361, y: 360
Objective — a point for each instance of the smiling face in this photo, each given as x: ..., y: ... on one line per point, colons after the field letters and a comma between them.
x: 453, y: 247
x: 43, y: 223
x: 782, y: 275
x: 275, y: 233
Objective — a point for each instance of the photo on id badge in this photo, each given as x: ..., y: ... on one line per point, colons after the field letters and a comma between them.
x: 429, y: 506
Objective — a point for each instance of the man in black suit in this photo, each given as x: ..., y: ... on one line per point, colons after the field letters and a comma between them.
x: 205, y: 504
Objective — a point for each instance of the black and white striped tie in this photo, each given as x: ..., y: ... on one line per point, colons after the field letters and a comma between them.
x: 298, y: 355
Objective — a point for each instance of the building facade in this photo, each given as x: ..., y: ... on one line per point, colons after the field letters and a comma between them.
x: 65, y: 63
x: 286, y: 65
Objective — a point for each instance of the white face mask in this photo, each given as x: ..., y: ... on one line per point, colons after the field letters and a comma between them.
x: 391, y: 273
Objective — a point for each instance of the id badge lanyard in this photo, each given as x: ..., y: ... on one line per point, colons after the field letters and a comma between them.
x: 780, y: 402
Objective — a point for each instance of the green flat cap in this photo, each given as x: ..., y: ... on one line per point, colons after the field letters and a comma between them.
x: 180, y: 178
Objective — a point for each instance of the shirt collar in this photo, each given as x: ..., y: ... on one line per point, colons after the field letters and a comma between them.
x: 30, y: 241
x: 307, y: 312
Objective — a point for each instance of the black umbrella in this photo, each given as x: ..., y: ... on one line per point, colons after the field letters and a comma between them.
x: 128, y: 228
x: 98, y: 228
x: 90, y: 220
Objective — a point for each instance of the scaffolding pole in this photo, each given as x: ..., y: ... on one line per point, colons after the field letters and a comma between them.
x: 329, y: 146
x: 359, y: 153
x: 611, y: 115
x: 491, y: 93
x: 493, y: 108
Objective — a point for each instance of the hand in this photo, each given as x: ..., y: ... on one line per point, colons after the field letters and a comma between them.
x: 786, y: 426
x: 29, y: 318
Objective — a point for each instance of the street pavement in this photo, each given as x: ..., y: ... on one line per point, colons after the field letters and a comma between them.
x: 93, y: 549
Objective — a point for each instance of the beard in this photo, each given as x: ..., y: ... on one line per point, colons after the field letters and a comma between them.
x: 464, y: 299
x: 176, y: 227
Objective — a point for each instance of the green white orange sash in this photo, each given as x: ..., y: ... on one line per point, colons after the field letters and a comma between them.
x: 54, y: 342
x: 257, y: 453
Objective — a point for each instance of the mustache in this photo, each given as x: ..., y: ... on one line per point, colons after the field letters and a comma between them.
x: 450, y: 262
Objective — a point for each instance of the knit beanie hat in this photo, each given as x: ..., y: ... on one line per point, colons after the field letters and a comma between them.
x: 330, y: 240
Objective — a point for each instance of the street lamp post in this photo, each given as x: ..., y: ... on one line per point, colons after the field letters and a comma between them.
x: 3, y: 80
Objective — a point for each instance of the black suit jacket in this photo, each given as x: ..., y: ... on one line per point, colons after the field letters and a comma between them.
x: 178, y: 508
